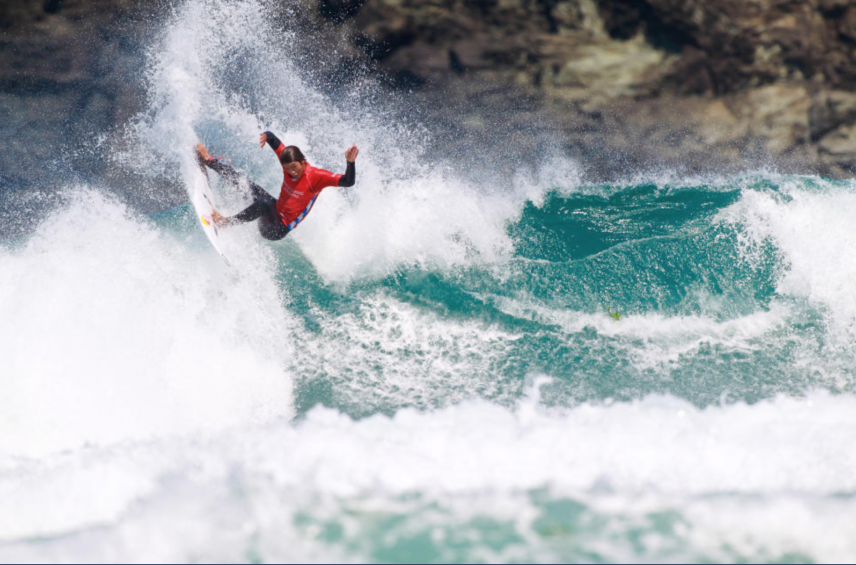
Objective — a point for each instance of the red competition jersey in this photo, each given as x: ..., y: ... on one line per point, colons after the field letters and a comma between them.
x: 297, y: 197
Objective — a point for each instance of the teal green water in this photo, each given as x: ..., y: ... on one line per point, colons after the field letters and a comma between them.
x: 646, y: 373
x: 662, y: 257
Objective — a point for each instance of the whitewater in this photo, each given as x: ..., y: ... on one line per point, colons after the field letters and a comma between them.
x: 442, y: 364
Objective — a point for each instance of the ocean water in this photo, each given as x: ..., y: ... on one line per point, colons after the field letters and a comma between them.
x: 442, y: 364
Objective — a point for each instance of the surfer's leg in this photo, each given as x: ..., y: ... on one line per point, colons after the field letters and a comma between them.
x: 271, y: 227
x: 259, y: 193
x: 263, y: 210
x: 254, y: 211
x: 229, y: 173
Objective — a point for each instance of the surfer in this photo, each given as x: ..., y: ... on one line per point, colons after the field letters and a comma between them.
x: 301, y: 185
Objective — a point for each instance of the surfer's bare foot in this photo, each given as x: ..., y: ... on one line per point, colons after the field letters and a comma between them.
x: 202, y: 152
x: 219, y: 220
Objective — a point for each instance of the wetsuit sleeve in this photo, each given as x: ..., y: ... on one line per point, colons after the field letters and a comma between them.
x: 350, y: 176
x: 274, y: 143
x: 224, y: 170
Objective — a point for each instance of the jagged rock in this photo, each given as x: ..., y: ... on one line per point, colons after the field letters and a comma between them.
x: 66, y: 71
x: 762, y: 78
x: 619, y: 83
x: 839, y: 143
x: 601, y: 72
x: 778, y: 115
x: 719, y: 125
x: 829, y: 109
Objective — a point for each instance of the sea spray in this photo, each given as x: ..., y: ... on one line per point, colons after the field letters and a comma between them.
x: 114, y: 331
x: 408, y: 209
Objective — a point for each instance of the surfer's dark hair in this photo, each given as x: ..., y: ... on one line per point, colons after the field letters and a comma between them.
x: 291, y: 154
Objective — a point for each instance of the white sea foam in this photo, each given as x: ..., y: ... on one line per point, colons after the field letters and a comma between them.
x: 811, y: 226
x: 655, y: 340
x: 113, y: 331
x: 395, y: 354
x: 433, y: 221
x: 764, y: 477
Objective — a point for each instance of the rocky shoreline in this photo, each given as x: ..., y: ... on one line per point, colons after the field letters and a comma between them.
x: 679, y: 83
x: 623, y: 85
x: 66, y: 77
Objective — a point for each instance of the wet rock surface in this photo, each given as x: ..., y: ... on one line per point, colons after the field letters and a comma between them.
x: 622, y: 85
x: 69, y: 75
x: 688, y: 84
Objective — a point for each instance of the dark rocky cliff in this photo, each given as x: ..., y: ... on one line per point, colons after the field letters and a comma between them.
x: 69, y: 71
x: 678, y: 82
x: 622, y: 84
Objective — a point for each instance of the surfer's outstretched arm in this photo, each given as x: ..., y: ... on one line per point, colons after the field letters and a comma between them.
x: 226, y: 171
x: 206, y: 159
x: 229, y: 173
x: 272, y: 140
x: 262, y: 204
x: 350, y: 176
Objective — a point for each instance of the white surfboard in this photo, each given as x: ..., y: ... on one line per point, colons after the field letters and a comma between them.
x: 203, y: 203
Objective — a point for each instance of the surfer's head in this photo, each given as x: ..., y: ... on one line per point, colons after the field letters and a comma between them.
x: 293, y: 161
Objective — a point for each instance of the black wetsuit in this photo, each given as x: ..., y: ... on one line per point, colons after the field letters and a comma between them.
x: 263, y: 207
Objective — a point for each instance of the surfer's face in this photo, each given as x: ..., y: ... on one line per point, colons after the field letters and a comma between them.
x: 295, y: 168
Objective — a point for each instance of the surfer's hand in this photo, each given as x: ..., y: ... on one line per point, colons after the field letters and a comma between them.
x: 219, y: 220
x: 262, y: 140
x: 351, y: 154
x: 202, y: 152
